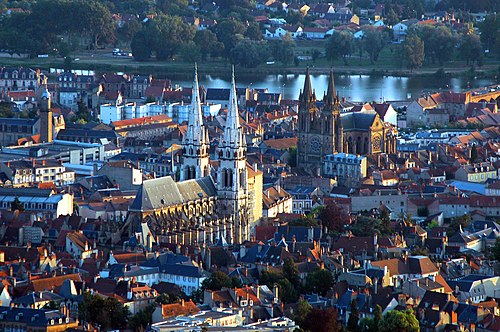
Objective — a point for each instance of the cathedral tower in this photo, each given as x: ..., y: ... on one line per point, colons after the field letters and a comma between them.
x: 195, y: 144
x: 232, y: 176
x: 319, y: 129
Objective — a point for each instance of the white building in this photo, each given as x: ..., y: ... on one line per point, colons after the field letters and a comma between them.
x: 347, y: 169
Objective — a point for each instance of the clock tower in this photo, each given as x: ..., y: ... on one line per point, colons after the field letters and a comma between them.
x: 320, y: 131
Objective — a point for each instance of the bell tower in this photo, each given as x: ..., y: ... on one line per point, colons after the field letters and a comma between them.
x: 320, y: 130
x: 195, y: 144
x: 45, y: 109
x: 232, y: 176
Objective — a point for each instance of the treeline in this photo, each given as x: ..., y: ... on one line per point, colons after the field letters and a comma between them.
x: 424, y: 43
x: 166, y: 37
x: 53, y: 26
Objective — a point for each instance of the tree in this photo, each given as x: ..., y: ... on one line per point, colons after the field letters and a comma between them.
x: 253, y: 32
x: 333, y: 217
x: 208, y: 44
x: 495, y: 251
x: 141, y: 46
x: 16, y: 205
x: 142, y: 319
x: 315, y: 54
x: 490, y: 31
x: 249, y: 53
x: 6, y: 109
x: 414, y: 49
x: 218, y: 280
x: 473, y: 154
x: 322, y: 320
x: 439, y: 42
x: 168, y: 34
x: 282, y: 50
x: 190, y: 52
x: 459, y: 223
x: 303, y: 309
x: 353, y: 321
x: 166, y: 299
x: 319, y: 281
x: 372, y: 325
x: 399, y: 321
x: 291, y: 272
x: 470, y: 49
x: 229, y: 32
x: 340, y: 44
x: 287, y: 291
x: 108, y: 313
x: 373, y: 42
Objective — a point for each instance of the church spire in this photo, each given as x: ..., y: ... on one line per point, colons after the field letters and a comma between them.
x: 233, y: 132
x: 331, y: 94
x: 195, y: 163
x: 195, y: 133
x: 307, y: 94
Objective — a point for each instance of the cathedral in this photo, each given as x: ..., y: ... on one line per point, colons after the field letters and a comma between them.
x: 198, y: 209
x: 324, y: 130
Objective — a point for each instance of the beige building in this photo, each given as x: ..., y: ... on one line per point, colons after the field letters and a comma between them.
x: 255, y: 190
x: 276, y: 200
x: 479, y: 172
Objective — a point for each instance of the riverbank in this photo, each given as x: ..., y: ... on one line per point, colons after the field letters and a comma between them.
x: 100, y: 62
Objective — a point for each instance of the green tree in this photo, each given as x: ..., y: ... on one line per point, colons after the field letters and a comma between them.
x: 190, y: 52
x: 495, y: 251
x: 303, y: 309
x: 16, y: 205
x: 108, y: 313
x: 253, y: 31
x: 249, y: 53
x: 319, y: 281
x: 373, y: 41
x: 166, y: 299
x: 471, y: 49
x: 353, y: 321
x: 168, y: 34
x: 208, y: 44
x: 229, y: 32
x: 414, y: 50
x: 6, y: 109
x: 282, y: 50
x: 339, y: 45
x: 490, y: 31
x: 141, y: 46
x: 473, y: 154
x: 458, y: 223
x: 315, y: 54
x: 142, y: 319
x: 399, y: 321
x: 219, y: 279
x: 287, y: 291
x: 291, y: 272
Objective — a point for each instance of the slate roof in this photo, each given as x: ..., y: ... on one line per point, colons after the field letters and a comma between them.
x: 160, y: 192
x: 217, y: 94
x: 358, y: 121
x: 30, y: 317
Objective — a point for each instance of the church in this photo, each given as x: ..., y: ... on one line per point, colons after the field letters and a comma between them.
x: 324, y: 130
x: 197, y: 209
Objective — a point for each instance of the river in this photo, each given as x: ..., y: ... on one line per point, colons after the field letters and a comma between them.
x: 357, y: 88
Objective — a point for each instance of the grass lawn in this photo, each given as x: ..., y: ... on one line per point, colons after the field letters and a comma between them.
x: 387, y: 64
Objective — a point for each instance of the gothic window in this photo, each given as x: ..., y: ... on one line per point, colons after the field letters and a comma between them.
x: 228, y: 154
x: 230, y: 178
x: 242, y: 179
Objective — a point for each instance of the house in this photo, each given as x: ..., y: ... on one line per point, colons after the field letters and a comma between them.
x: 315, y: 33
x: 476, y: 288
x: 479, y: 172
x: 15, y: 79
x: 166, y: 311
x: 347, y: 169
x: 399, y: 30
x: 304, y: 198
x: 401, y: 270
x: 321, y: 9
x: 386, y: 112
x: 24, y: 319
x: 276, y: 200
x: 79, y: 246
x: 295, y: 31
